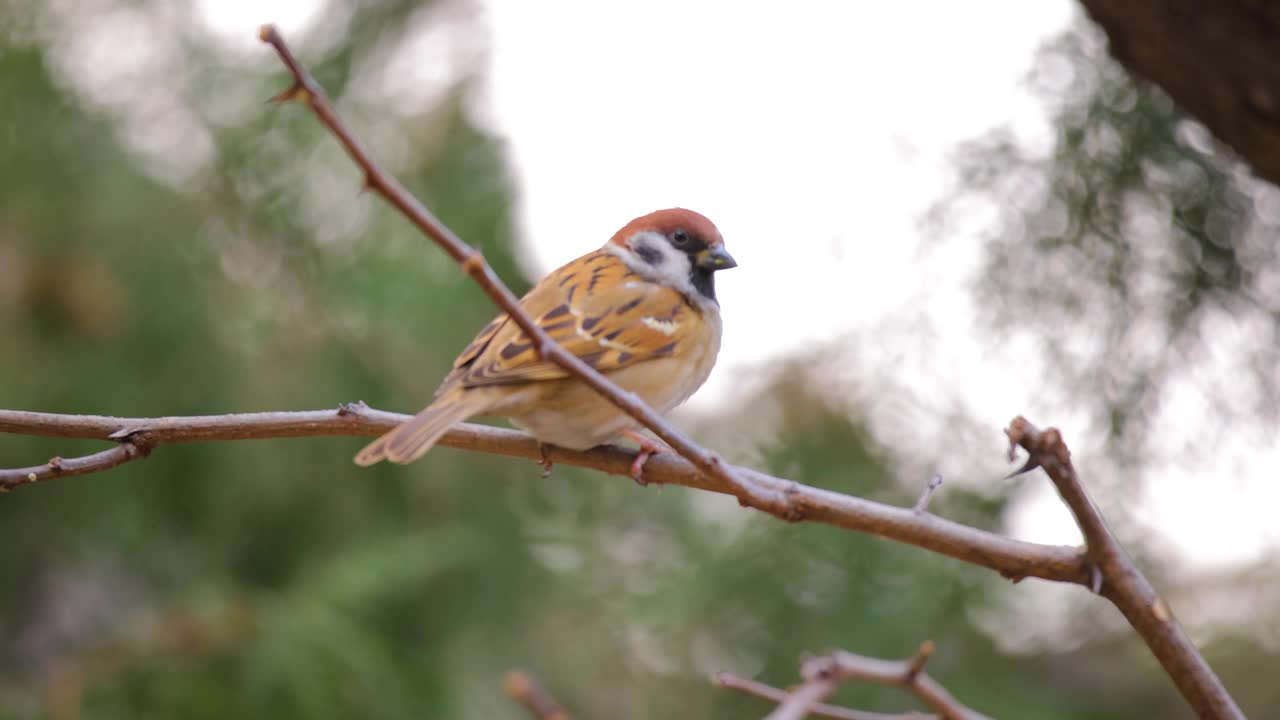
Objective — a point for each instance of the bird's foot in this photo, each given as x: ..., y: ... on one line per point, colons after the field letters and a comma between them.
x: 648, y: 448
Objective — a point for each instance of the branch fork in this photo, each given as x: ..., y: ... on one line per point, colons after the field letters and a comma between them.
x: 824, y: 674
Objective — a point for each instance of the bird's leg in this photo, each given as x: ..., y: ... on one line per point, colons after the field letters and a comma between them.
x: 648, y: 448
x: 545, y: 462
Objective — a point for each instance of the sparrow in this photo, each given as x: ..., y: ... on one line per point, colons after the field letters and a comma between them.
x: 641, y: 310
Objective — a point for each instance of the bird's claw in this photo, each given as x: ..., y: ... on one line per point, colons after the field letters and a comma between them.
x: 637, y: 466
x: 648, y: 448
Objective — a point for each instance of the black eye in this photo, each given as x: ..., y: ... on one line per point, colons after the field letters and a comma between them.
x: 680, y: 238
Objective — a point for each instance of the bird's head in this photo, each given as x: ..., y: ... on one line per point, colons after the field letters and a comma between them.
x: 676, y: 247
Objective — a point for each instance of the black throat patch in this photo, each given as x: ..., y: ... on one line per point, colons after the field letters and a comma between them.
x: 704, y: 282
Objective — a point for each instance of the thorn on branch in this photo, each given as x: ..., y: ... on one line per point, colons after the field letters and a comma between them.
x: 123, y: 434
x: 295, y: 93
x: 1037, y: 443
x: 926, y: 495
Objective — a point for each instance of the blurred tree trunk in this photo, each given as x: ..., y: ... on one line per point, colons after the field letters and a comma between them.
x: 1219, y: 60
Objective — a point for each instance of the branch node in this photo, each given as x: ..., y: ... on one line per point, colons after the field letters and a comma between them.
x: 1160, y: 609
x: 822, y: 667
x: 473, y: 263
x: 791, y: 510
x: 352, y: 408
x: 823, y: 674
x: 1012, y: 577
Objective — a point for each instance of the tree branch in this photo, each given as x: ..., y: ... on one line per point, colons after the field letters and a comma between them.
x: 1102, y: 565
x: 822, y: 675
x: 835, y: 712
x: 1011, y: 558
x: 1120, y: 581
x: 306, y: 90
x: 65, y: 467
x: 1127, y: 588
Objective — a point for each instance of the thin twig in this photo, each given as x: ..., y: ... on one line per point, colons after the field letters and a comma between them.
x: 1116, y: 578
x: 1011, y: 558
x: 306, y: 90
x: 926, y: 495
x: 65, y: 467
x: 823, y: 674
x: 834, y: 712
x: 801, y: 701
x: 526, y: 690
x: 908, y: 674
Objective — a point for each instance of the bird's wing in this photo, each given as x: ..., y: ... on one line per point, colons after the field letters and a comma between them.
x: 596, y: 308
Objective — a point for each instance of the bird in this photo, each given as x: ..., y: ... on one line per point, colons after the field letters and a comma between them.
x: 641, y: 310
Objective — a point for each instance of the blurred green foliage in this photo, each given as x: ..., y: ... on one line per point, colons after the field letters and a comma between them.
x: 233, y: 267
x: 1136, y: 250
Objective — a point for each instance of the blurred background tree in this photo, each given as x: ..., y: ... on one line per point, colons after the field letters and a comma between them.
x: 171, y: 245
x: 1126, y: 248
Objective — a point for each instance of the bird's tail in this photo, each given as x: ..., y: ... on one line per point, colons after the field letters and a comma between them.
x: 413, y: 438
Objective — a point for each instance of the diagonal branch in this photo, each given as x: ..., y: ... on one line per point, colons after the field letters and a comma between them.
x: 305, y: 89
x: 1011, y: 558
x: 1119, y: 580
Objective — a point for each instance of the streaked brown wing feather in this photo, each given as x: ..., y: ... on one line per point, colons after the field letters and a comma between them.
x: 597, y: 309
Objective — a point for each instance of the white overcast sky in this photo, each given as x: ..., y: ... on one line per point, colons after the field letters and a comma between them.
x: 815, y: 134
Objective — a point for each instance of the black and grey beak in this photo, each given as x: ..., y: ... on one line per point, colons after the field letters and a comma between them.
x: 715, y: 258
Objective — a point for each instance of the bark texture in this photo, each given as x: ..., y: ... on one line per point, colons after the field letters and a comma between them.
x: 1219, y: 60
